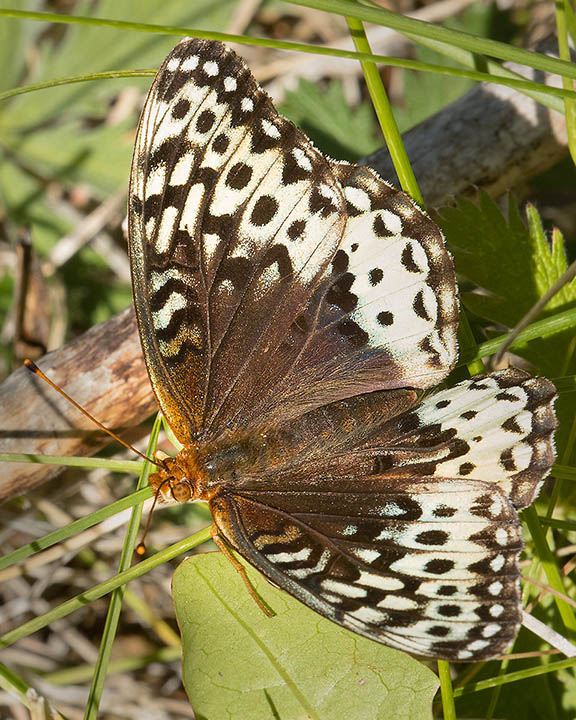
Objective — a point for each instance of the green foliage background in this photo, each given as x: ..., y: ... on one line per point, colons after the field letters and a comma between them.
x: 63, y: 137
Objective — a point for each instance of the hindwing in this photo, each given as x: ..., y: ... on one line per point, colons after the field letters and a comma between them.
x: 429, y: 568
x: 404, y: 529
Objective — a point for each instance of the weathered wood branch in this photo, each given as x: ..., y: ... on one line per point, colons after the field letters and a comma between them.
x: 489, y: 139
x: 103, y: 370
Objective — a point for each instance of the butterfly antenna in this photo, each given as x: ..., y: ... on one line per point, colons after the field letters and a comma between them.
x: 141, y: 547
x: 36, y: 370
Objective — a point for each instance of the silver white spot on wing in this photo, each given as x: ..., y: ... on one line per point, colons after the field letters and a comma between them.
x: 343, y: 588
x: 211, y: 68
x: 288, y: 557
x: 190, y: 63
x: 230, y: 84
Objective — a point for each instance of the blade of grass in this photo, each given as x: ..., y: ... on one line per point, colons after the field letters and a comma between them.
x: 419, y: 28
x: 559, y: 322
x: 563, y: 12
x: 446, y: 690
x: 87, y: 463
x: 550, y: 96
x: 384, y: 114
x: 110, y: 74
x: 475, y: 366
x: 514, y: 677
x: 547, y: 94
x: 497, y: 691
x: 565, y: 384
x: 567, y: 525
x: 493, y: 68
x: 13, y: 684
x: 115, y: 607
x: 466, y: 57
x: 564, y: 471
x: 103, y: 588
x: 75, y: 527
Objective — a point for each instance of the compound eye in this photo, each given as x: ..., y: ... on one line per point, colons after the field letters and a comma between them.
x: 181, y: 491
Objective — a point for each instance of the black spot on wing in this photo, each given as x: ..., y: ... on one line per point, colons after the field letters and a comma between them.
x: 512, y: 426
x: 181, y: 109
x: 296, y: 229
x: 353, y: 332
x: 264, y: 210
x: 385, y: 318
x: 439, y: 566
x: 380, y: 229
x: 220, y: 144
x: 407, y: 259
x: 375, y: 276
x: 438, y: 631
x: 432, y: 537
x: 340, y: 296
x: 340, y: 262
x: 205, y: 121
x: 279, y: 255
x: 450, y: 610
x: 239, y: 176
x: 419, y: 307
x: 469, y: 414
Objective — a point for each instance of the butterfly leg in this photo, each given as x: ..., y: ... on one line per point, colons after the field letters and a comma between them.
x: 221, y: 544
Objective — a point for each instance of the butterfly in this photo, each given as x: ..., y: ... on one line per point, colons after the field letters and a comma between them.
x: 293, y: 310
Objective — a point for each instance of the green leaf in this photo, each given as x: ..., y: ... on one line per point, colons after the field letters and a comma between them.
x: 326, y: 117
x: 513, y: 265
x: 239, y: 664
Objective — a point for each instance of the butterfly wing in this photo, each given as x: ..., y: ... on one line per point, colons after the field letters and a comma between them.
x: 422, y: 554
x: 384, y: 316
x: 250, y: 251
x: 392, y: 291
x: 233, y: 218
x: 429, y: 567
x: 498, y: 428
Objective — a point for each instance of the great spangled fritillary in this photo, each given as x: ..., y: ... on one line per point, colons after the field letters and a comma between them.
x: 291, y: 310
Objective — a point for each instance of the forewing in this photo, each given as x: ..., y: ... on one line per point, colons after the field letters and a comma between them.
x: 268, y: 280
x: 390, y: 310
x: 386, y: 313
x: 427, y: 566
x: 498, y: 428
x: 233, y: 218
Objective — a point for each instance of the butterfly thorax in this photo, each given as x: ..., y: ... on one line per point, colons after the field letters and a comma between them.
x: 202, y: 470
x: 245, y: 459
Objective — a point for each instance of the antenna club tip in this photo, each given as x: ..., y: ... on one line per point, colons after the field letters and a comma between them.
x: 140, y: 549
x: 31, y: 366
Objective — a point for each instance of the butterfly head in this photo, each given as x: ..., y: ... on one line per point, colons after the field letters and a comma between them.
x: 178, y: 478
